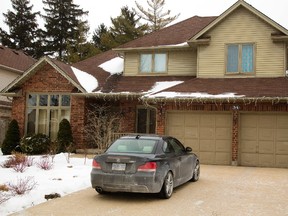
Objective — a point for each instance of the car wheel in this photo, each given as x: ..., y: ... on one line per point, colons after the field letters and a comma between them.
x: 196, y: 172
x: 100, y: 190
x: 168, y: 185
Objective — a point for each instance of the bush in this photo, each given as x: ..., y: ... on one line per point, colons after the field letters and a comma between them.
x: 22, y: 186
x: 36, y: 144
x: 18, y: 161
x: 44, y: 163
x: 12, y: 138
x: 64, y: 137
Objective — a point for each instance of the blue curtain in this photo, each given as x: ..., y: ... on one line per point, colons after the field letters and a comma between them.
x: 247, y: 58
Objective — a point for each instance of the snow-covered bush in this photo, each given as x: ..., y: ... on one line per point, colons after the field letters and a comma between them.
x: 35, y: 144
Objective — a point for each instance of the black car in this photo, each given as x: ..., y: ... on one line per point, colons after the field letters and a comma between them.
x: 144, y: 164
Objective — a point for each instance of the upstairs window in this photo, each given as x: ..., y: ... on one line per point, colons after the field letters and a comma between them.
x: 153, y: 63
x: 240, y: 59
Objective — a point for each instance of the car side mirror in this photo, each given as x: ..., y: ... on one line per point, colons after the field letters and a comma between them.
x: 188, y: 149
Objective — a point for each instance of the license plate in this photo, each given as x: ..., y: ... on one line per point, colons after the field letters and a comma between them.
x: 118, y: 166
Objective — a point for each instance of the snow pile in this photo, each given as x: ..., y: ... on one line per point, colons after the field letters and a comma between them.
x: 113, y: 66
x: 87, y: 81
x: 63, y: 179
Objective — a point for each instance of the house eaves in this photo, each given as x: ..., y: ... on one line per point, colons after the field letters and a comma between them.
x: 8, y: 90
x: 238, y: 4
x: 152, y: 48
x: 220, y: 100
x: 11, y: 69
x: 110, y: 96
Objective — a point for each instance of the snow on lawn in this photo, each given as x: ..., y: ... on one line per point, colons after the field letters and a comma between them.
x: 63, y: 178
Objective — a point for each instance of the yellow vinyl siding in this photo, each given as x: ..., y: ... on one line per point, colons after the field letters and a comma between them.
x: 241, y: 26
x: 131, y: 64
x: 180, y: 63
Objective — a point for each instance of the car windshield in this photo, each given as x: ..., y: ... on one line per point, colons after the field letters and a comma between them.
x: 139, y: 146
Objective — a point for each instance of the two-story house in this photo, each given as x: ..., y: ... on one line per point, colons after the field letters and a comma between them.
x: 218, y: 84
x: 13, y: 63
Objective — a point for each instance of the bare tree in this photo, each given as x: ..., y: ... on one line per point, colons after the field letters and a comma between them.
x: 102, y: 122
x: 156, y: 17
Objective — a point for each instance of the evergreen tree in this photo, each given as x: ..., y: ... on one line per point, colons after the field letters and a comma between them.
x: 64, y: 26
x: 64, y: 136
x: 125, y: 28
x: 24, y: 33
x: 12, y: 138
x: 98, y: 34
x: 157, y: 19
x: 81, y: 50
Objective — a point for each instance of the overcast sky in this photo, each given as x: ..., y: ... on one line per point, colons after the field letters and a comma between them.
x: 100, y: 11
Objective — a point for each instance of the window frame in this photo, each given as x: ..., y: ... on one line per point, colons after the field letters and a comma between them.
x: 153, y: 65
x: 240, y: 59
x: 47, y: 108
x: 150, y: 118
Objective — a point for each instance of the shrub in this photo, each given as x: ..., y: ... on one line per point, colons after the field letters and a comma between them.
x: 44, y: 163
x: 22, y: 186
x: 4, y: 196
x: 17, y: 159
x: 35, y: 144
x: 12, y: 138
x: 64, y: 137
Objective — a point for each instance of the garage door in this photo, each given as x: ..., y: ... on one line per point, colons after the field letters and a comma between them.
x: 209, y: 134
x: 264, y: 140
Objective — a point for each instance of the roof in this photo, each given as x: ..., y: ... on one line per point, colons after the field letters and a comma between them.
x: 166, y: 87
x: 175, y: 34
x: 15, y: 60
x: 226, y: 88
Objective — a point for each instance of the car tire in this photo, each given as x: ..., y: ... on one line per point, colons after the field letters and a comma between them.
x: 168, y: 186
x: 100, y: 191
x: 196, y: 172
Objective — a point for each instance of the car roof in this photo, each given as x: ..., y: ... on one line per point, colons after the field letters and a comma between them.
x: 144, y: 136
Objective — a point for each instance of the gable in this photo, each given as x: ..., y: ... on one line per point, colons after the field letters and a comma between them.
x: 65, y: 70
x: 47, y: 79
x: 248, y: 7
x: 241, y: 26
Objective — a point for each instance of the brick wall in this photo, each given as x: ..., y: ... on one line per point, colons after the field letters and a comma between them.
x: 128, y: 109
x: 48, y: 80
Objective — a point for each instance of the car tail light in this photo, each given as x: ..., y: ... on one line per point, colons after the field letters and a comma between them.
x: 96, y: 165
x: 148, y: 167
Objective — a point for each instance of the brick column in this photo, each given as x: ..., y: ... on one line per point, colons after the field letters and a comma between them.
x: 235, y: 141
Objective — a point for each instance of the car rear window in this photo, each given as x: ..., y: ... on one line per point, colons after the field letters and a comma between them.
x: 139, y: 146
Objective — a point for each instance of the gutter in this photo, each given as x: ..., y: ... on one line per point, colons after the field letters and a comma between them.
x: 109, y: 96
x: 245, y: 100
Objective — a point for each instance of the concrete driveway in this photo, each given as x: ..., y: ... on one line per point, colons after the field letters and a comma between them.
x: 221, y: 190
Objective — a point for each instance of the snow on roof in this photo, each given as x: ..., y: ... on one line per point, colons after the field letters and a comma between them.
x: 160, y: 86
x: 113, y: 66
x: 193, y: 95
x: 87, y: 81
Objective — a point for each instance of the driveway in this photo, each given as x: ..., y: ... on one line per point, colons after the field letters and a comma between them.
x: 221, y: 190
